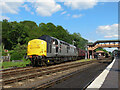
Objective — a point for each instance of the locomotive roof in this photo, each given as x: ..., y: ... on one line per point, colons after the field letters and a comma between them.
x: 56, y: 39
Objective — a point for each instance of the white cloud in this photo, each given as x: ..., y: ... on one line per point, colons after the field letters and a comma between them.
x: 91, y: 41
x: 4, y: 17
x: 46, y: 8
x: 68, y: 14
x: 80, y: 4
x: 32, y: 13
x: 63, y: 12
x: 108, y: 31
x: 112, y: 36
x: 13, y: 0
x: 108, y: 0
x: 43, y: 8
x: 77, y: 16
x: 11, y: 7
x: 26, y: 7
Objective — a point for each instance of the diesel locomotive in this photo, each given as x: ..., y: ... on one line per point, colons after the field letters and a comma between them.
x: 49, y: 50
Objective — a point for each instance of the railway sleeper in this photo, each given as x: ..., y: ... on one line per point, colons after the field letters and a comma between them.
x: 41, y: 74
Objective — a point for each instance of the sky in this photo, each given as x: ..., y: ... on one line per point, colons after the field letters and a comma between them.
x: 93, y: 19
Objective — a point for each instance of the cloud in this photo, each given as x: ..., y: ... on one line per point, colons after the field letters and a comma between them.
x: 112, y: 36
x: 91, y: 41
x: 32, y: 13
x: 46, y: 8
x: 13, y: 0
x: 77, y: 16
x: 26, y: 7
x: 11, y: 7
x: 108, y: 0
x: 68, y: 14
x: 80, y: 4
x: 43, y: 8
x: 108, y: 31
x: 63, y: 12
x: 4, y: 17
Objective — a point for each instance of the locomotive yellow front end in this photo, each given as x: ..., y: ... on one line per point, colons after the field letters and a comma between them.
x: 37, y: 49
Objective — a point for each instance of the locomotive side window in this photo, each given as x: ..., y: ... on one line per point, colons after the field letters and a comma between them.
x: 50, y: 48
x: 56, y: 43
x: 60, y: 48
x: 68, y: 48
x: 53, y: 42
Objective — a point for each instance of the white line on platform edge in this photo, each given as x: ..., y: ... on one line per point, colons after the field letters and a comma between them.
x: 97, y: 83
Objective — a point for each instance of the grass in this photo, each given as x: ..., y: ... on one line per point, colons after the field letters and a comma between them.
x: 84, y: 60
x: 14, y: 64
x: 24, y: 63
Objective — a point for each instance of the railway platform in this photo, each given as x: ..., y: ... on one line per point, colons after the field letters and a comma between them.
x: 109, y: 78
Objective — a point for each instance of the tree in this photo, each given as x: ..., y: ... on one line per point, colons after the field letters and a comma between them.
x: 19, y: 52
x: 6, y: 27
x: 101, y: 49
x: 21, y: 32
x: 79, y: 41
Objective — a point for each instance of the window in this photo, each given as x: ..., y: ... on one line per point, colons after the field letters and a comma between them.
x: 50, y: 48
x: 60, y: 48
x: 68, y: 48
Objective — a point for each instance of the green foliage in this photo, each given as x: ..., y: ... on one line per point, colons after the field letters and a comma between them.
x: 90, y: 43
x: 19, y: 52
x: 4, y: 53
x: 16, y: 35
x: 0, y: 49
x: 84, y: 60
x: 15, y: 64
x: 79, y: 41
x: 101, y: 49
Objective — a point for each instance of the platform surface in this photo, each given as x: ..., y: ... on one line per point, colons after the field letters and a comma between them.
x: 109, y: 78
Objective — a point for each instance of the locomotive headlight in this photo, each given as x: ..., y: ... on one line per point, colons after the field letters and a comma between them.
x: 48, y: 61
x: 28, y: 43
x: 30, y: 56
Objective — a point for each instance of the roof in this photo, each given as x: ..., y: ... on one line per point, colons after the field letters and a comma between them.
x: 100, y: 52
x: 103, y: 41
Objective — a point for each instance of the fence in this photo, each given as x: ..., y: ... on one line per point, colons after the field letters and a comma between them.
x: 5, y: 58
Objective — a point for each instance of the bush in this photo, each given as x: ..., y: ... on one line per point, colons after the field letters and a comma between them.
x: 15, y: 64
x: 19, y: 52
x: 16, y: 56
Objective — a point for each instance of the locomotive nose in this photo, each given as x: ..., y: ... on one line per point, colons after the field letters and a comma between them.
x: 37, y: 47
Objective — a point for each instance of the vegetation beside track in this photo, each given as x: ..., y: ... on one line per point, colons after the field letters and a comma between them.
x: 14, y: 64
x: 83, y: 60
x: 24, y: 63
x: 15, y: 36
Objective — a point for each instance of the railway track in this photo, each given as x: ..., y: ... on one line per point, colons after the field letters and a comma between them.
x: 23, y: 70
x: 40, y: 72
x: 26, y: 74
x: 13, y: 71
x: 64, y: 77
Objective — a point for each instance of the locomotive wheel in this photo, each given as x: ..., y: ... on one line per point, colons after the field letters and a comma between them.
x: 43, y: 63
x: 35, y: 63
